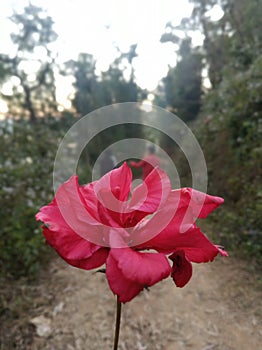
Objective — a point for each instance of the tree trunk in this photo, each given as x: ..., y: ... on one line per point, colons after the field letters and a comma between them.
x: 29, y: 104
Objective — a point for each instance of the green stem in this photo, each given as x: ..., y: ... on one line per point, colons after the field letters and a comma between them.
x: 118, y: 321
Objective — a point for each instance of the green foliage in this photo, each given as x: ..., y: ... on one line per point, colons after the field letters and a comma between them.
x: 229, y: 126
x: 231, y: 139
x: 231, y: 132
x: 103, y: 140
x: 183, y: 83
x: 92, y: 92
x: 32, y: 66
x: 236, y: 105
x: 35, y: 28
x: 3, y: 72
x: 27, y: 156
x: 87, y: 96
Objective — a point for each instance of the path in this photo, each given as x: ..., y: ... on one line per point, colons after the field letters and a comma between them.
x: 220, y: 309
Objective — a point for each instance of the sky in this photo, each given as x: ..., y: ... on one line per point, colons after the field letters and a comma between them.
x: 99, y: 26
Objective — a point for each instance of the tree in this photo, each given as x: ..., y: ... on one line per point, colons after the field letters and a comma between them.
x: 231, y: 114
x: 93, y: 91
x: 112, y: 86
x: 183, y: 83
x: 87, y: 88
x: 33, y: 63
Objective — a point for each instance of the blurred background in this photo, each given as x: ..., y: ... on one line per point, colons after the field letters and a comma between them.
x: 201, y: 60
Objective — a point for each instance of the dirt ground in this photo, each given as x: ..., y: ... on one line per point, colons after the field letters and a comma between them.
x: 220, y: 309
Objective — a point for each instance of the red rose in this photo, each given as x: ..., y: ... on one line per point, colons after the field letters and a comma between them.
x: 105, y: 222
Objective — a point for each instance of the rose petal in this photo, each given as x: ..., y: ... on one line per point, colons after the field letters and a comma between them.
x: 76, y: 213
x: 181, y: 269
x: 221, y: 250
x: 119, y: 284
x: 153, y: 192
x: 118, y: 182
x: 196, y: 245
x: 90, y: 199
x: 202, y: 204
x: 135, y: 269
x: 121, y: 181
x: 69, y: 245
x: 166, y: 222
x: 96, y: 260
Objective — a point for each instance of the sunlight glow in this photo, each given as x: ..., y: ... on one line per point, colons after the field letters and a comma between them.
x: 7, y: 89
x: 215, y: 14
x: 150, y: 97
x: 3, y: 108
x: 64, y: 90
x: 65, y: 105
x: 147, y: 106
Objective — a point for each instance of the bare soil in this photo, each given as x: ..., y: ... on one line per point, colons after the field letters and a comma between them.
x: 220, y: 309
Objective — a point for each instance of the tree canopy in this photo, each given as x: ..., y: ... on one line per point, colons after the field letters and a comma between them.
x: 32, y: 65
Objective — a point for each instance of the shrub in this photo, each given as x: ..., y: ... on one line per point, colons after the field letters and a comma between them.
x: 27, y: 156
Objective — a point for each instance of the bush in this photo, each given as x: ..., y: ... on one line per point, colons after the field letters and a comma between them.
x: 230, y: 133
x: 27, y: 156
